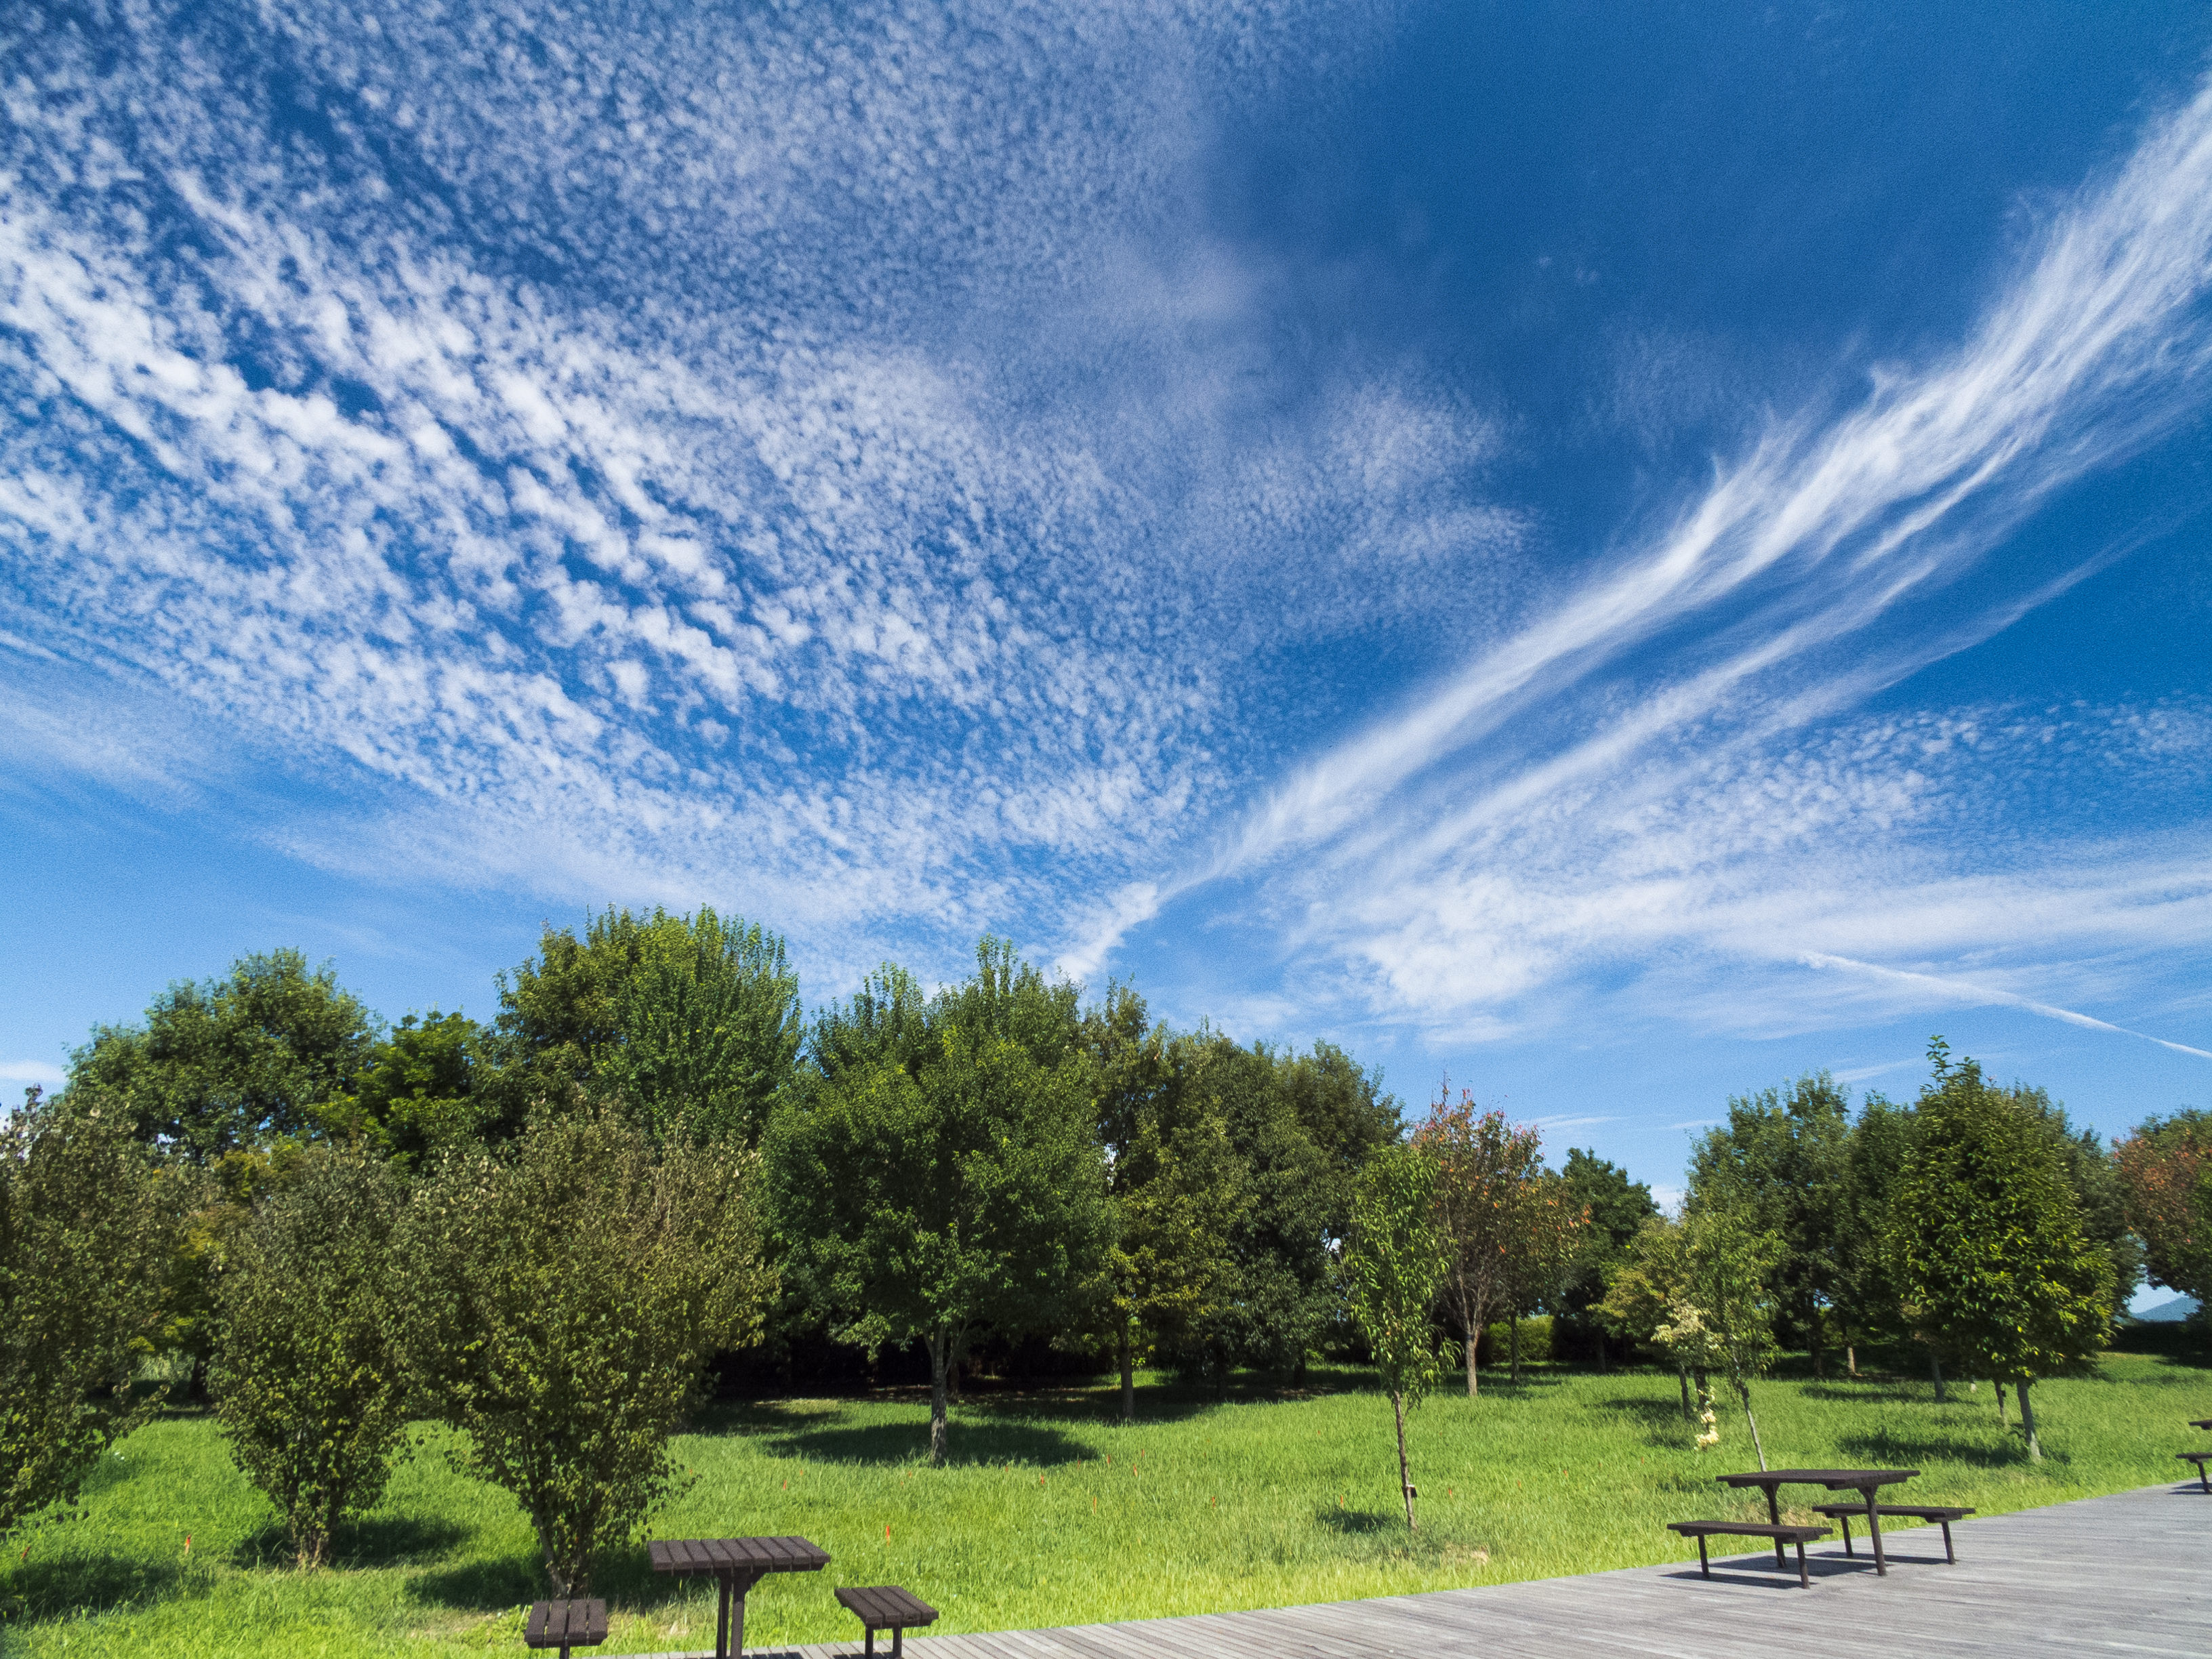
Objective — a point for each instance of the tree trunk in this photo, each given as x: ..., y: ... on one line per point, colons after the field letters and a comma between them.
x: 2028, y: 1422
x: 1470, y: 1365
x: 1601, y: 1354
x: 1128, y: 1379
x: 939, y: 1343
x: 1689, y: 1411
x: 1743, y: 1392
x: 1820, y: 1348
x: 2001, y: 1416
x: 1404, y: 1480
x: 1851, y: 1358
x: 1513, y: 1342
x: 1935, y: 1370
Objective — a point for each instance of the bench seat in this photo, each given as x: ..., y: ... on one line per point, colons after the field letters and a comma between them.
x: 885, y: 1607
x: 1938, y: 1513
x: 565, y: 1624
x: 2197, y: 1458
x: 1781, y: 1534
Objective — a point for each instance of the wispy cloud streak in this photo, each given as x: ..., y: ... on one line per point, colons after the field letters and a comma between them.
x: 1649, y: 773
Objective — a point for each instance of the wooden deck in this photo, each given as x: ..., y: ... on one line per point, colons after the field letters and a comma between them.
x: 2121, y: 1574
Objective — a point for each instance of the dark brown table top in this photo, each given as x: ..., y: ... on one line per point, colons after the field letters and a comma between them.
x: 2200, y: 1422
x: 1834, y: 1479
x: 729, y: 1557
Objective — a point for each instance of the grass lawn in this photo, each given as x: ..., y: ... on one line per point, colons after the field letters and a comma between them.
x: 1051, y: 1514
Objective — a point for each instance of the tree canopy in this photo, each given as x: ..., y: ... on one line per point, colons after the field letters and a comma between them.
x: 1994, y: 1267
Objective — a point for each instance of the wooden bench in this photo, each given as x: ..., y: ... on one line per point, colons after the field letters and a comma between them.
x: 2197, y: 1458
x: 886, y: 1607
x: 565, y: 1625
x: 1943, y: 1517
x: 1781, y: 1534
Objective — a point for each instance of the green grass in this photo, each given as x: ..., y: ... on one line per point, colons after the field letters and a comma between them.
x: 1050, y: 1514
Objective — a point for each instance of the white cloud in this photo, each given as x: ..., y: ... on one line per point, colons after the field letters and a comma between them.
x: 1659, y: 778
x: 801, y: 482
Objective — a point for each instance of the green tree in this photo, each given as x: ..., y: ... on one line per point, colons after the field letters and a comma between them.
x: 418, y: 1093
x: 307, y: 1376
x: 1484, y: 1166
x: 1993, y: 1266
x: 87, y: 1230
x: 564, y: 1299
x: 2093, y: 1175
x: 2166, y: 1173
x: 1177, y: 1190
x: 691, y: 1022
x: 1780, y: 1163
x: 961, y: 1190
x: 1616, y: 1208
x: 1542, y: 1246
x: 1642, y: 1291
x: 232, y: 1064
x: 1728, y: 1296
x: 1866, y: 1302
x: 1394, y: 1268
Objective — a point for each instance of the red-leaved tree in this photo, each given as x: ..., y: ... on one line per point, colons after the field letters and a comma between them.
x: 2165, y: 1172
x: 1490, y: 1210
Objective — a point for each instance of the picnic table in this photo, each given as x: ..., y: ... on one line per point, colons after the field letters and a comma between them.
x: 739, y: 1563
x: 1865, y: 1482
x: 2200, y: 1422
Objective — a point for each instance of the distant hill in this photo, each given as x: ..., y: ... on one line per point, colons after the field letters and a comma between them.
x: 2169, y: 1313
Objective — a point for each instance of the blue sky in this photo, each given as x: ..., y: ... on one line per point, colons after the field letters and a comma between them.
x: 1620, y: 552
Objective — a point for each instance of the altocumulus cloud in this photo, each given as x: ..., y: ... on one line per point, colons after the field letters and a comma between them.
x: 821, y: 460
x: 743, y: 454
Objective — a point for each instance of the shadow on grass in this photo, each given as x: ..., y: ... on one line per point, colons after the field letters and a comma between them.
x: 92, y: 1583
x: 1037, y: 1426
x: 496, y: 1584
x: 1885, y: 1448
x: 1360, y: 1523
x: 384, y: 1541
x: 1660, y: 1419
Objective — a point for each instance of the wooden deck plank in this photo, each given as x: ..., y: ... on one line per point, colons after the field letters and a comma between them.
x: 2104, y: 1575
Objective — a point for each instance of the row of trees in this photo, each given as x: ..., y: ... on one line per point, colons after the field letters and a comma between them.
x: 544, y: 1230
x: 1975, y: 1223
x: 516, y: 1227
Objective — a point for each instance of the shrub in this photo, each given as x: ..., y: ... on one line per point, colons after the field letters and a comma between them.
x: 564, y: 1301
x: 306, y: 1376
x: 87, y: 1229
x: 1536, y: 1341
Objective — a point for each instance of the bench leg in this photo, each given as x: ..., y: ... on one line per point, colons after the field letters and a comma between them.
x: 1949, y: 1558
x: 1804, y: 1579
x: 1846, y: 1521
x: 1705, y: 1564
x: 869, y: 1640
x: 898, y: 1634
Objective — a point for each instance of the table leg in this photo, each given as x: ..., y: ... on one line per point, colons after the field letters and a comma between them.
x: 1873, y: 1531
x: 1774, y: 1514
x: 722, y: 1618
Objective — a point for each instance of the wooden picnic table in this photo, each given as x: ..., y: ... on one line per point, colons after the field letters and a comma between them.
x: 1865, y: 1482
x: 2200, y: 1422
x: 739, y: 1563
